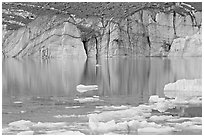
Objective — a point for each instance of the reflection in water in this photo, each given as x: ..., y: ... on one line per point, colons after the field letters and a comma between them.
x: 116, y: 77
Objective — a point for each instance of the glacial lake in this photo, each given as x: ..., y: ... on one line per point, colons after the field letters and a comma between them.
x: 40, y: 90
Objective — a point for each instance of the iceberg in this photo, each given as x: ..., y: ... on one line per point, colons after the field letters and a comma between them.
x: 21, y: 125
x: 184, y: 88
x: 82, y: 88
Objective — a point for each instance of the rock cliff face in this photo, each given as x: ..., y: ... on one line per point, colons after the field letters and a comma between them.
x: 45, y: 37
x: 140, y: 34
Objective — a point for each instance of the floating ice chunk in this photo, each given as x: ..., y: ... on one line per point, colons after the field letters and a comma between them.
x: 88, y: 99
x: 148, y: 124
x: 48, y: 125
x: 112, y: 107
x: 69, y: 116
x: 145, y: 108
x: 63, y: 132
x: 82, y: 88
x: 155, y: 98
x: 179, y: 100
x: 163, y: 106
x: 17, y: 102
x: 22, y: 111
x: 153, y: 130
x: 194, y: 120
x: 21, y: 125
x: 195, y: 100
x: 160, y: 118
x: 26, y: 133
x: 187, y: 125
x: 185, y: 85
x: 133, y: 125
x: 180, y: 88
x: 138, y: 118
x: 73, y: 107
x: 111, y: 133
x: 102, y: 127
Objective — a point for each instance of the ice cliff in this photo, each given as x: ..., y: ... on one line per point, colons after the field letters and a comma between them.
x: 141, y: 33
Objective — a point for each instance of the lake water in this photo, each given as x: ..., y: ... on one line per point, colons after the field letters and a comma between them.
x: 46, y: 87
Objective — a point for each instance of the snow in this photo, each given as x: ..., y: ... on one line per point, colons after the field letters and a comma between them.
x: 82, y: 88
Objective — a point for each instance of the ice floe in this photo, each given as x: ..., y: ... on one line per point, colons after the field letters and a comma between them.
x: 49, y: 125
x: 185, y: 85
x: 72, y: 107
x: 21, y: 125
x: 108, y: 121
x: 70, y: 116
x: 153, y: 130
x: 26, y: 133
x: 17, y: 102
x: 184, y: 88
x: 63, y: 132
x: 155, y: 99
x: 104, y: 108
x: 87, y: 99
x: 160, y: 118
x: 82, y: 88
x: 194, y: 120
x: 186, y: 125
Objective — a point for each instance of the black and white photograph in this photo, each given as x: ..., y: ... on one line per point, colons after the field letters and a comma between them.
x: 101, y: 68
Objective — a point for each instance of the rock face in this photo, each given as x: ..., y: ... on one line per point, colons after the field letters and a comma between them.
x: 187, y: 46
x: 140, y: 34
x: 45, y: 37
